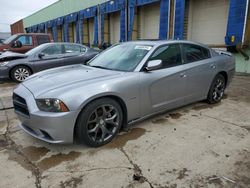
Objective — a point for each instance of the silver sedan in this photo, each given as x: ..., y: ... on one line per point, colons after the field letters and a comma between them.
x: 124, y: 84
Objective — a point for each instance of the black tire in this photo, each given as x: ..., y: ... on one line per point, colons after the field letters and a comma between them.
x: 217, y: 89
x: 101, y: 117
x: 20, y: 73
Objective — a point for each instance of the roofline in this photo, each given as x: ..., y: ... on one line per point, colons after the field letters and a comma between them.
x: 41, y: 9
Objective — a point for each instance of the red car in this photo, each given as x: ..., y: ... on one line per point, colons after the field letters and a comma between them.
x: 24, y: 42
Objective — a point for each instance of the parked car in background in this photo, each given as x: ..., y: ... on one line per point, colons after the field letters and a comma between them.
x: 124, y: 84
x: 18, y: 66
x: 24, y: 42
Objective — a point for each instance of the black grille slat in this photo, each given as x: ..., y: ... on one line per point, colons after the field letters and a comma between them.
x: 20, y: 105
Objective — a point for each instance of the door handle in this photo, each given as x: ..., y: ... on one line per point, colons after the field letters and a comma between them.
x: 183, y: 75
x: 213, y: 66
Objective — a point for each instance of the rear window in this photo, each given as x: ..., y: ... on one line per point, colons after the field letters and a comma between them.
x: 41, y: 39
x: 195, y: 53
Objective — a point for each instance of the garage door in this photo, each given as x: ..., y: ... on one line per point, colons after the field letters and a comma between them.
x: 207, y: 21
x: 114, y: 27
x: 59, y: 34
x: 149, y: 21
x: 91, y: 31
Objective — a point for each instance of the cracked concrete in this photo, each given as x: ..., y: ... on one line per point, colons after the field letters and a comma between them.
x: 198, y: 145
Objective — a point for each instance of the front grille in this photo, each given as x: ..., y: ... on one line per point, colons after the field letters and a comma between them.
x: 20, y: 105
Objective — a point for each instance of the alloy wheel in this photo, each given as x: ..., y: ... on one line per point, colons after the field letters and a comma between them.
x: 219, y: 89
x: 103, y: 123
x: 21, y: 74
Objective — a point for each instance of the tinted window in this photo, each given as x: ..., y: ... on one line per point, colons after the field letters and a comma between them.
x: 195, y: 53
x: 53, y: 50
x: 41, y: 39
x: 71, y: 48
x: 25, y: 40
x: 170, y: 55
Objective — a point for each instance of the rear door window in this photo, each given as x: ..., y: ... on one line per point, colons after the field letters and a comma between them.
x: 193, y: 53
x: 41, y: 39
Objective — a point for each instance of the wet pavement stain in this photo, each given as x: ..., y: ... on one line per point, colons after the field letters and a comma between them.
x: 214, y: 180
x: 72, y: 182
x: 175, y: 115
x: 3, y: 143
x: 242, y: 169
x: 246, y: 127
x: 35, y: 153
x: 159, y: 121
x: 16, y: 156
x: 182, y: 174
x: 122, y: 140
x: 204, y: 106
x: 57, y: 159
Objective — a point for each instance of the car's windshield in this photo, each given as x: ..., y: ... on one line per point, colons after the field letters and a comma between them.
x: 10, y: 39
x: 35, y: 50
x: 122, y: 57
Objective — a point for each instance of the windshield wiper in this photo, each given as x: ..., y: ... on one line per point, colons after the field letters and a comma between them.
x: 98, y: 67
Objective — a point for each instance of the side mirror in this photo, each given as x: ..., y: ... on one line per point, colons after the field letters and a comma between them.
x: 41, y: 55
x: 153, y: 65
x: 17, y: 44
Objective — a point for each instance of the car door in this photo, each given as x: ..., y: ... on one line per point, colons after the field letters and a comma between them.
x: 27, y: 44
x: 200, y: 71
x: 49, y: 57
x: 164, y: 88
x: 74, y: 54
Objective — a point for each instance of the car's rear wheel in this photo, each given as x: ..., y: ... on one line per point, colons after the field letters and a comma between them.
x: 99, y: 122
x: 217, y: 89
x: 20, y: 73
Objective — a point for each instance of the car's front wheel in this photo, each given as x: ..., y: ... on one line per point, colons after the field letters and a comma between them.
x: 217, y: 89
x: 20, y: 73
x: 99, y: 122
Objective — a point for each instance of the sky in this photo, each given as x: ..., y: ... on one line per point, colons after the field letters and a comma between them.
x: 14, y: 10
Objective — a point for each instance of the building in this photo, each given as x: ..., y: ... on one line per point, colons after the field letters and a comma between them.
x: 217, y: 23
x: 17, y: 27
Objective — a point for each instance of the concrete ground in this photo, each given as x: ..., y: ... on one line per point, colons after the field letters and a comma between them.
x: 199, y: 145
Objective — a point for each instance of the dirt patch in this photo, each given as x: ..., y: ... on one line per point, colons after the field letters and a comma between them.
x: 182, y: 174
x: 57, y: 159
x: 201, y: 106
x: 214, y: 180
x: 164, y: 120
x: 73, y: 182
x: 246, y: 127
x: 3, y: 143
x: 159, y: 121
x: 175, y: 115
x: 35, y: 153
x: 121, y: 140
x: 242, y: 169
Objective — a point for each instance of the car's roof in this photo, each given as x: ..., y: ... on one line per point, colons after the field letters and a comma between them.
x: 155, y: 42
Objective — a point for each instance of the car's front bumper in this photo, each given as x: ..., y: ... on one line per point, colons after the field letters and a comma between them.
x: 47, y: 126
x: 4, y: 72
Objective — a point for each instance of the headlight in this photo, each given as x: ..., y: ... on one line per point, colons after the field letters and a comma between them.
x: 4, y: 63
x: 51, y: 105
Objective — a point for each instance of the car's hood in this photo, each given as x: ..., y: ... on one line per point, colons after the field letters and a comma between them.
x: 53, y: 79
x: 8, y: 56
